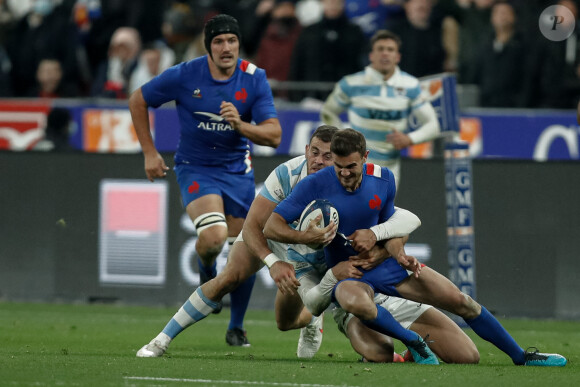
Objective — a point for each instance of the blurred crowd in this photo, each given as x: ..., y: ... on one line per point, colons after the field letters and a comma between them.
x: 108, y: 48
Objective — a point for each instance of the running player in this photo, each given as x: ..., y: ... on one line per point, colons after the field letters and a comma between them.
x: 217, y: 97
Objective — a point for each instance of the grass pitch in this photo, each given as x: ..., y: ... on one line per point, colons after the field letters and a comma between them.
x: 95, y: 345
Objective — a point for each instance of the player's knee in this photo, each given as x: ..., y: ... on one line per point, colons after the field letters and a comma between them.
x: 467, y: 355
x: 211, y: 241
x: 468, y: 307
x: 362, y: 310
x: 463, y: 305
x: 284, y: 325
x: 212, y: 231
x: 376, y: 351
x: 379, y: 357
x: 472, y: 357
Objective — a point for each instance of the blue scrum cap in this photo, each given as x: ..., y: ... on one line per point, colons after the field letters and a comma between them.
x: 217, y: 25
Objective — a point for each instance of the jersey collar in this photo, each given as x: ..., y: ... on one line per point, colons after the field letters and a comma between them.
x: 376, y: 76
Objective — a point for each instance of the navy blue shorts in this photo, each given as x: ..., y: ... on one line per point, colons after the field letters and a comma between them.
x: 237, y: 190
x: 382, y: 278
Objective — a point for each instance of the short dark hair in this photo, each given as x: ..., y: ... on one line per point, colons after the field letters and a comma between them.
x: 347, y: 141
x: 324, y: 133
x: 385, y: 34
x: 217, y: 25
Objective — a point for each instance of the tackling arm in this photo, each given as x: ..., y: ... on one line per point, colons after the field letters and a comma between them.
x: 281, y: 272
x: 278, y: 230
x: 254, y: 224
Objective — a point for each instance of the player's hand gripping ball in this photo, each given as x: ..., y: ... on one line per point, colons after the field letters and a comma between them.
x: 312, y: 210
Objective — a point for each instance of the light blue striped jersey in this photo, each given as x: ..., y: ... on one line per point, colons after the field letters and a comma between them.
x: 377, y: 107
x: 277, y: 187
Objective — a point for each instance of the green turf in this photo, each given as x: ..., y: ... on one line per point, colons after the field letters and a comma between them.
x: 80, y: 345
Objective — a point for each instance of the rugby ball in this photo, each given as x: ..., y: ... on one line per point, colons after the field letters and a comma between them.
x: 312, y: 210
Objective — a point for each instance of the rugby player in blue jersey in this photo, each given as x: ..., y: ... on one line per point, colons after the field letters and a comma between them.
x: 363, y: 195
x: 222, y: 102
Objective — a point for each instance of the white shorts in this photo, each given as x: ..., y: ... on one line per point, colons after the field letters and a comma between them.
x: 404, y: 311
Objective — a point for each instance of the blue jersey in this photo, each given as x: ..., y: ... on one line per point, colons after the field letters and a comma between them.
x: 370, y: 204
x: 205, y: 138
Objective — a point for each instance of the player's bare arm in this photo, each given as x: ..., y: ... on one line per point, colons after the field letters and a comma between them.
x: 396, y: 248
x: 346, y: 269
x: 363, y: 240
x: 278, y: 230
x: 370, y: 259
x: 399, y: 140
x: 154, y: 164
x: 281, y: 272
x: 268, y: 132
x: 374, y: 257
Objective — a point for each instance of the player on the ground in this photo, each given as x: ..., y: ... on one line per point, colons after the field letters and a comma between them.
x: 379, y: 101
x: 363, y: 194
x: 290, y: 312
x: 217, y: 97
x: 308, y: 267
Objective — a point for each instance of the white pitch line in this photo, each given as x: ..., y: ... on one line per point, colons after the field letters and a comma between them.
x: 240, y: 382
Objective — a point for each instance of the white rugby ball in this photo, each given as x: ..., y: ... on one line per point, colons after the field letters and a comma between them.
x: 312, y: 210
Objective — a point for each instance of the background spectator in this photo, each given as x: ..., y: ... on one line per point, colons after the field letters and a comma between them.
x: 154, y: 59
x: 113, y: 75
x: 559, y: 74
x: 50, y: 83
x: 501, y: 73
x: 276, y: 47
x: 255, y: 25
x: 474, y: 25
x: 374, y: 15
x: 97, y: 20
x: 46, y: 31
x: 422, y: 32
x: 182, y: 32
x: 328, y: 50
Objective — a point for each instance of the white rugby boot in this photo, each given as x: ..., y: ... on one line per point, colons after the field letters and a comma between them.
x: 310, y: 338
x: 155, y: 348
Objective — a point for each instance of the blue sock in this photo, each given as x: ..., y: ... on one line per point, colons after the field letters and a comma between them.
x: 208, y: 271
x: 385, y: 323
x: 488, y: 328
x: 240, y: 299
